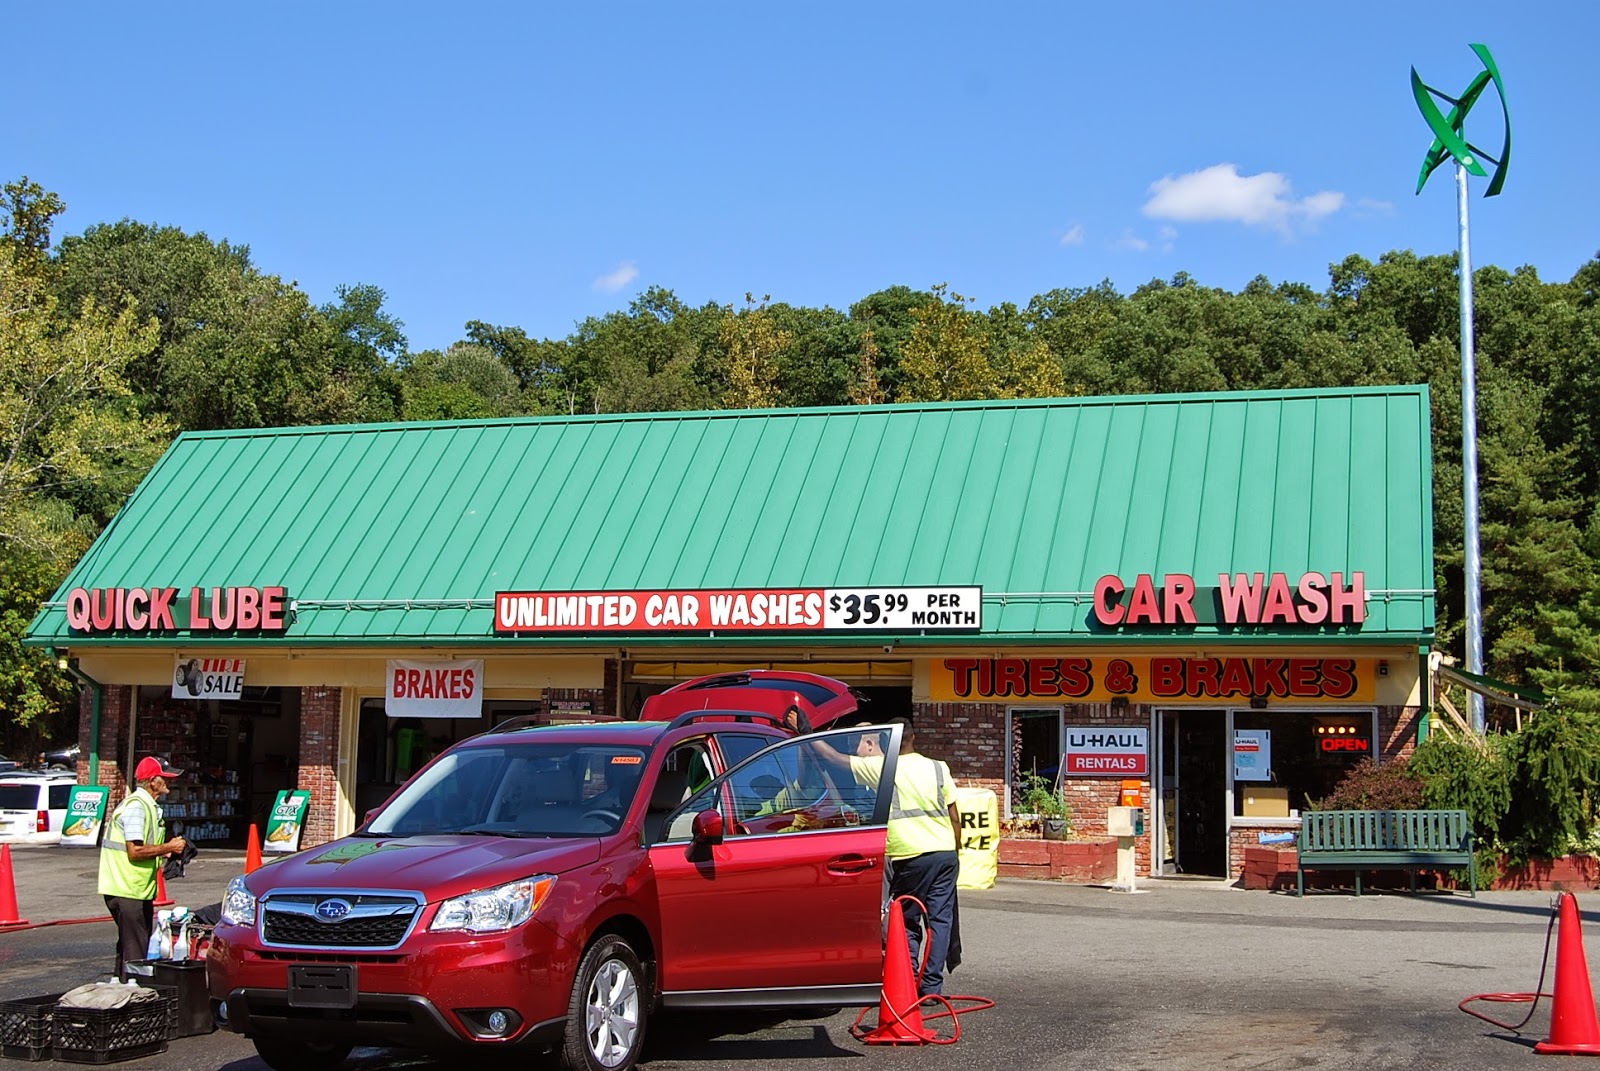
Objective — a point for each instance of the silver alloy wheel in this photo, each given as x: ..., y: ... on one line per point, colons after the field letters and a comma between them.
x: 611, y: 1018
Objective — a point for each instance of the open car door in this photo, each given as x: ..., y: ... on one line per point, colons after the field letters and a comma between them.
x: 771, y: 881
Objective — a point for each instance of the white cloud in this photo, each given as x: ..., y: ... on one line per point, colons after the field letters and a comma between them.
x: 1367, y: 207
x: 1131, y: 242
x: 617, y: 277
x: 1219, y: 194
x: 1073, y: 236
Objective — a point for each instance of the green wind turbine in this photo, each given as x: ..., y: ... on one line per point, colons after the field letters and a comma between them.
x: 1450, y: 142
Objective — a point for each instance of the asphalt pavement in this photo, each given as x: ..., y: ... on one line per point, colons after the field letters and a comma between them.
x: 1182, y: 975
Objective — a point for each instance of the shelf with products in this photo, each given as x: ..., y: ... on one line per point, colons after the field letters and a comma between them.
x: 214, y: 743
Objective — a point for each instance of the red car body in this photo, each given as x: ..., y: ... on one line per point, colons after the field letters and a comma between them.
x: 822, y: 699
x: 706, y: 887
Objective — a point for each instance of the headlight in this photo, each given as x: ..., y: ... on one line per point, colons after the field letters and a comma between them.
x: 239, y: 904
x: 493, y: 910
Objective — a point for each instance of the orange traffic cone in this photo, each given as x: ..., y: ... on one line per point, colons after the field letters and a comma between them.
x: 252, y: 852
x: 900, y: 1010
x: 8, y: 893
x: 1573, y: 1029
x: 162, y: 899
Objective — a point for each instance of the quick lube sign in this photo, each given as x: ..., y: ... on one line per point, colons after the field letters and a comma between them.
x: 1106, y: 751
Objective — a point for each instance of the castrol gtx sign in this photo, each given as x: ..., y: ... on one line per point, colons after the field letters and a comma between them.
x: 1106, y: 751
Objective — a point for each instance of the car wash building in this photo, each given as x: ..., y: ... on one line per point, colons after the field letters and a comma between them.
x: 1215, y: 603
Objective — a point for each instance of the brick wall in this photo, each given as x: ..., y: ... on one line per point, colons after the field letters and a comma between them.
x: 968, y: 736
x: 114, y: 709
x: 1397, y: 731
x: 319, y: 758
x: 971, y: 738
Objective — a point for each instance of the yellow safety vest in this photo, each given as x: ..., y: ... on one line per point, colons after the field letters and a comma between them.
x: 120, y: 876
x: 919, y: 814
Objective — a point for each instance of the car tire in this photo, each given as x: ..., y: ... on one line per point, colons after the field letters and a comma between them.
x: 606, y: 1013
x: 287, y: 1054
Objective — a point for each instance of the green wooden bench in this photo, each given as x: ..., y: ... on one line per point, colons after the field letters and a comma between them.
x: 1385, y: 840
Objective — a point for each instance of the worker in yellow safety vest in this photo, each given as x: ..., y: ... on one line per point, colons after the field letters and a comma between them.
x: 924, y: 834
x: 131, y: 848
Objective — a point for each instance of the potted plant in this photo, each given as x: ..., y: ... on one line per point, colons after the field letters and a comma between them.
x: 1039, y: 797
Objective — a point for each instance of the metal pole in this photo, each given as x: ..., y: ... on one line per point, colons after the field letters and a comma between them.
x: 1473, y: 573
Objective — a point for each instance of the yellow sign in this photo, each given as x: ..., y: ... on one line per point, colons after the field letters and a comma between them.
x: 1154, y: 679
x: 980, y: 837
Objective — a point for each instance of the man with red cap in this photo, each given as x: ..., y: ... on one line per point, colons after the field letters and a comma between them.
x: 131, y: 848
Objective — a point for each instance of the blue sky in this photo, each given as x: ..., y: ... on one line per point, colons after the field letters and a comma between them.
x: 533, y: 165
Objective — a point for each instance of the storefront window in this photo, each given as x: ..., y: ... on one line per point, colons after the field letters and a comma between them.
x: 1287, y: 760
x: 236, y: 755
x: 1035, y: 749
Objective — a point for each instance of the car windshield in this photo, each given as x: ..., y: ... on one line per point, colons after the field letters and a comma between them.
x: 518, y: 790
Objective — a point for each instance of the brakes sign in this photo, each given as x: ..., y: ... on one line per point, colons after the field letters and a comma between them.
x: 1107, y: 751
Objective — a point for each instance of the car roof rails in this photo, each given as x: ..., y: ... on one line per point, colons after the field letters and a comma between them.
x: 726, y: 680
x: 746, y: 716
x: 510, y: 725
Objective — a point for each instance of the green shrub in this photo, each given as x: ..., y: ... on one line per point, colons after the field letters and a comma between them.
x: 1371, y: 787
x: 1555, y: 771
x: 1455, y: 775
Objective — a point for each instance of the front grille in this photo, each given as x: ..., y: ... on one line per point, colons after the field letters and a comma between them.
x: 301, y: 956
x: 373, y: 921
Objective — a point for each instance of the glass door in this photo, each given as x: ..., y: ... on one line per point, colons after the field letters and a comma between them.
x: 1167, y: 793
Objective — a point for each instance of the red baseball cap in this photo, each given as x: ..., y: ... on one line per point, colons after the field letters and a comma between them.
x: 151, y: 766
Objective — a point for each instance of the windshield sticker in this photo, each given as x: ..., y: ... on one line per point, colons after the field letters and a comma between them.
x: 626, y: 760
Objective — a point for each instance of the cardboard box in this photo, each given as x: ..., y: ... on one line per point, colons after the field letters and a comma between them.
x: 1265, y: 801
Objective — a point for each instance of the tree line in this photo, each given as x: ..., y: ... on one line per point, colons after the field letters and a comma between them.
x: 114, y: 340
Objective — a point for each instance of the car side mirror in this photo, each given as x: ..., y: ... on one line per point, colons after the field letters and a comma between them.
x: 708, y: 827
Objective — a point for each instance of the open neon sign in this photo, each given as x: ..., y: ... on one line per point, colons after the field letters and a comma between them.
x: 1357, y: 744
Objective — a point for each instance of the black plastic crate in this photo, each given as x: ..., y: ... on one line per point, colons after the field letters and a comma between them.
x: 102, y: 1035
x: 25, y: 1027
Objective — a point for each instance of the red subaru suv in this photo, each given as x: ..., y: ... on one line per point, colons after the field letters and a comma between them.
x: 554, y: 887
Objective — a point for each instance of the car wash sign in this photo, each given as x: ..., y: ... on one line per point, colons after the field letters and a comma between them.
x: 1106, y: 751
x: 708, y: 611
x: 1237, y: 600
x: 434, y: 689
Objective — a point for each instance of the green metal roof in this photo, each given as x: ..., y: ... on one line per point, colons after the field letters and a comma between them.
x: 406, y: 531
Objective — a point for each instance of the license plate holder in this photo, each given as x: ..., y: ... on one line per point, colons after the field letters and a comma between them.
x: 317, y: 985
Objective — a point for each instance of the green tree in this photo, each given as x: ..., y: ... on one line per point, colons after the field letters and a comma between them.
x: 752, y: 342
x: 464, y: 382
x: 864, y: 386
x: 945, y: 358
x: 72, y: 440
x: 656, y: 357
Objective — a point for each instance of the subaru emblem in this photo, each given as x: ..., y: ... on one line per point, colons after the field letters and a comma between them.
x: 333, y: 910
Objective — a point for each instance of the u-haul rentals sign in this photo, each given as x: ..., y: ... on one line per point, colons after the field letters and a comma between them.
x: 1107, y: 751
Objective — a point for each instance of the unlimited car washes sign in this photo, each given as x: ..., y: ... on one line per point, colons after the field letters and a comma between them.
x: 711, y: 610
x: 1153, y: 679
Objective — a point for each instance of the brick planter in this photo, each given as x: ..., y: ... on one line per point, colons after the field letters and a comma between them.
x: 1091, y: 861
x: 1273, y: 868
x: 1270, y: 868
x: 1567, y: 874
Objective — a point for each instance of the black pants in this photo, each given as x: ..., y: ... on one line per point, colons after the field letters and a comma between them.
x: 931, y: 878
x: 134, y: 919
